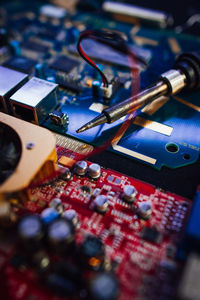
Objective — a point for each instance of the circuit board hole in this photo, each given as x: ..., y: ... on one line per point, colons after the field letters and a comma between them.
x: 172, y: 148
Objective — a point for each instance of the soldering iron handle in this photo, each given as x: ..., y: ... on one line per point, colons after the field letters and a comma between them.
x: 189, y: 64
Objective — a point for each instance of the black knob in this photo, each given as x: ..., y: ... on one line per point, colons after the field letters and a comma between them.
x: 189, y: 64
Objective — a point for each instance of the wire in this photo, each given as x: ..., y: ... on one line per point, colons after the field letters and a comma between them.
x: 109, y: 38
x: 83, y: 35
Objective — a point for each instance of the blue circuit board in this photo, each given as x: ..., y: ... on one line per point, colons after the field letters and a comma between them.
x: 165, y: 133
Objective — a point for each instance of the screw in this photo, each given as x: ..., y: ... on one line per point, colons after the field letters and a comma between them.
x: 29, y: 145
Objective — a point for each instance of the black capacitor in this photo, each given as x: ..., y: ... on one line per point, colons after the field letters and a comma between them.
x: 61, y: 285
x: 104, y: 286
x: 69, y: 270
x: 31, y: 232
x: 61, y: 234
x: 92, y: 253
x: 40, y: 262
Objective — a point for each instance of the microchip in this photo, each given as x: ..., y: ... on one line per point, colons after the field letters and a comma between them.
x: 21, y: 64
x: 85, y: 189
x: 151, y: 235
x: 63, y: 64
x: 36, y: 47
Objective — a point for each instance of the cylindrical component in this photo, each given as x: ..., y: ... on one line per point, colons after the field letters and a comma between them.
x: 121, y: 109
x: 72, y: 216
x: 175, y: 80
x: 189, y: 64
x: 56, y: 203
x: 94, y: 171
x: 61, y: 234
x: 49, y: 214
x: 41, y: 262
x: 80, y: 167
x: 101, y: 203
x: 92, y: 253
x: 30, y: 231
x: 61, y: 285
x: 104, y: 286
x: 129, y: 193
x: 144, y: 210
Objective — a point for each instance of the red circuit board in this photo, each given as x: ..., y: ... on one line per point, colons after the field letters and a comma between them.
x: 145, y: 269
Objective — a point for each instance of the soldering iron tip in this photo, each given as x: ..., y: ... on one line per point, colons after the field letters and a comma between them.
x: 83, y: 128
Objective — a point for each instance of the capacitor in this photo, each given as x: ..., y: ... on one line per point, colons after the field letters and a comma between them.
x: 41, y: 261
x: 57, y: 204
x: 101, y: 203
x: 94, y: 171
x: 61, y: 234
x: 145, y: 210
x: 92, y: 253
x: 72, y: 216
x: 30, y: 231
x: 61, y: 285
x: 80, y: 168
x: 104, y: 286
x: 65, y: 173
x: 129, y: 193
x: 49, y: 214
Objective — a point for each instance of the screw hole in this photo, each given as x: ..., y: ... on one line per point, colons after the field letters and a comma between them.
x: 172, y: 148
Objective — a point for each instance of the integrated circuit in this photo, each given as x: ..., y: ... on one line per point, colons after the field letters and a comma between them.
x: 36, y: 47
x: 63, y: 63
x: 151, y: 234
x: 20, y: 63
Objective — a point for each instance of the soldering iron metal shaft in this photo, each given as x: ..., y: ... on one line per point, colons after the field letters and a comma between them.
x: 183, y: 75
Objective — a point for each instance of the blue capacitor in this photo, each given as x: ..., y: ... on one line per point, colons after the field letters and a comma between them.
x: 49, y: 214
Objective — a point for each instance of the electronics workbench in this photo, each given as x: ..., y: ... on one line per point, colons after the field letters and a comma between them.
x: 99, y: 144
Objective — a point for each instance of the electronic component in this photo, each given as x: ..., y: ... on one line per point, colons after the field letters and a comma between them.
x: 29, y: 47
x: 34, y: 100
x: 80, y: 168
x: 94, y: 171
x: 138, y: 14
x: 129, y: 193
x: 30, y: 232
x: 10, y: 81
x: 144, y: 210
x: 151, y: 234
x: 92, y: 252
x: 20, y: 63
x: 72, y: 216
x: 56, y: 203
x: 49, y: 214
x: 104, y: 286
x: 41, y: 262
x: 63, y: 64
x: 60, y: 234
x: 101, y: 203
x: 52, y: 11
x: 59, y: 118
x: 109, y: 91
